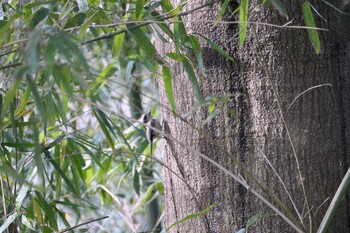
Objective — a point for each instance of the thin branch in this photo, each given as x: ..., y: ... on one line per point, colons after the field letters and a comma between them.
x: 84, y: 223
x: 9, y: 52
x: 283, y: 184
x: 110, y: 35
x: 309, y: 89
x: 10, y: 66
x: 279, y: 105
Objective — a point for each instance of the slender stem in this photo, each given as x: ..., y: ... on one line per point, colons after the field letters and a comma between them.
x: 269, y: 77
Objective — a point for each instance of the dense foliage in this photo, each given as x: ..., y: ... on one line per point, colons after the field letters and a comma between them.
x: 75, y: 78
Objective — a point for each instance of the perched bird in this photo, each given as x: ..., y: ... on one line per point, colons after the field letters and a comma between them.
x: 153, y: 129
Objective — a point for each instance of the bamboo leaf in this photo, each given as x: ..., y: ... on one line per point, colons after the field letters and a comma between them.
x: 38, y: 16
x: 217, y: 48
x: 60, y: 171
x: 38, y: 100
x: 253, y: 219
x: 243, y: 21
x: 93, y: 156
x: 118, y: 42
x: 76, y: 20
x: 135, y: 100
x: 168, y: 87
x: 221, y: 12
x: 279, y: 6
x: 8, y: 170
x: 166, y: 5
x: 193, y: 79
x: 11, y: 92
x: 33, y: 51
x: 49, y: 211
x: 142, y: 40
x: 149, y: 193
x: 136, y: 181
x: 105, y: 126
x: 197, y: 51
x: 5, y: 225
x: 191, y: 216
x: 310, y: 22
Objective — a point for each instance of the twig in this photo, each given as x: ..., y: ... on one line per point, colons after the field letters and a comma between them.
x: 309, y: 89
x: 84, y: 223
x: 279, y: 105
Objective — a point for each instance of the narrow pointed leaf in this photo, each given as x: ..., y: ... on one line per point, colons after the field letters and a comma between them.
x: 62, y: 174
x: 279, y: 6
x: 118, y: 42
x: 37, y: 98
x: 310, y: 22
x: 38, y: 16
x: 217, y: 48
x: 191, y: 216
x: 197, y: 52
x: 5, y: 225
x: 105, y: 126
x: 243, y: 21
x: 142, y: 40
x: 221, y: 12
x: 193, y: 79
x: 168, y: 87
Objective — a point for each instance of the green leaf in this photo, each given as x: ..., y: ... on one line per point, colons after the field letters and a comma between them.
x: 168, y: 87
x: 76, y: 20
x: 5, y: 225
x: 136, y: 181
x: 191, y: 216
x: 221, y: 12
x: 38, y: 16
x: 217, y: 48
x: 33, y: 51
x: 135, y: 100
x: 253, y: 219
x: 149, y: 193
x: 105, y: 126
x: 21, y: 195
x: 138, y: 9
x: 197, y: 51
x: 8, y: 170
x: 193, y: 79
x: 4, y: 28
x: 93, y: 156
x: 24, y: 101
x: 19, y: 145
x: 37, y: 98
x: 166, y: 5
x: 49, y: 211
x: 11, y: 92
x: 179, y: 33
x: 101, y: 80
x: 279, y: 6
x: 176, y: 57
x: 310, y: 22
x: 62, y: 174
x: 118, y: 42
x: 142, y: 40
x: 243, y: 21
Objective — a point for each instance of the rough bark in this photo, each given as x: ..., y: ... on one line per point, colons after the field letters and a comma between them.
x: 318, y: 123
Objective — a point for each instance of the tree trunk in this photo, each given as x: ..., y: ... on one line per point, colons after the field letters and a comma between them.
x: 253, y: 124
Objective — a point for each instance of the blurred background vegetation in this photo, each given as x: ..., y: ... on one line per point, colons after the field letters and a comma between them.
x: 75, y: 78
x: 72, y: 147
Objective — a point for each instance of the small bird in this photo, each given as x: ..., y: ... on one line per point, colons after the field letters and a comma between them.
x: 153, y: 129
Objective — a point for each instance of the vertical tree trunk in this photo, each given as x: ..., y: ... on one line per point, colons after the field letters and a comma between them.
x: 256, y: 135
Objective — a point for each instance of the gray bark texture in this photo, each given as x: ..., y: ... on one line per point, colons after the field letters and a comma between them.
x: 250, y: 127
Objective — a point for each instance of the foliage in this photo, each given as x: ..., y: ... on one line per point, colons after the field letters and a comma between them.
x: 73, y: 79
